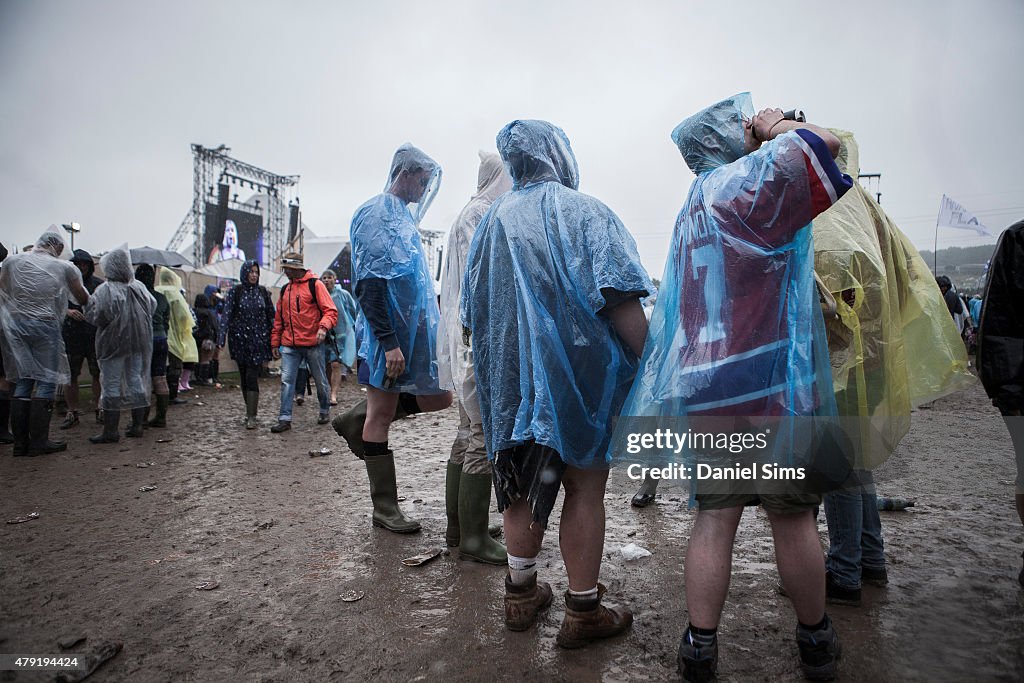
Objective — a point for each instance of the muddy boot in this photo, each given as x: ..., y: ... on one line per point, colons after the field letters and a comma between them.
x: 523, y: 603
x: 138, y: 419
x: 252, y: 404
x: 5, y: 419
x: 110, y: 433
x: 20, y: 409
x: 645, y: 496
x: 349, y: 426
x: 451, y: 503
x: 587, y: 619
x: 40, y: 412
x: 160, y: 419
x: 819, y: 652
x: 475, y: 541
x: 384, y: 494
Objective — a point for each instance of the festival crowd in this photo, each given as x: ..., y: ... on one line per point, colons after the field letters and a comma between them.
x: 788, y: 298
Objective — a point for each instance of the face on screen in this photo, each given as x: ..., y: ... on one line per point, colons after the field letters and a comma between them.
x: 230, y: 234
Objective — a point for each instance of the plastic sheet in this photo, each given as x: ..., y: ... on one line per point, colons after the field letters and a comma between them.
x: 415, y: 178
x: 548, y: 367
x: 936, y: 356
x: 713, y: 137
x: 736, y: 330
x: 386, y: 244
x: 34, y: 294
x: 455, y: 359
x: 345, y: 330
x: 857, y: 255
x: 122, y: 311
x: 180, y: 341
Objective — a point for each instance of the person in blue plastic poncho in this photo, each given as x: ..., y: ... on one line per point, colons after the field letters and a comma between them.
x: 340, y: 351
x: 551, y: 296
x: 397, y: 303
x: 737, y: 331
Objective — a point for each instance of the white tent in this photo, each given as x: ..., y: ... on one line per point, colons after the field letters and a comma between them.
x: 230, y: 268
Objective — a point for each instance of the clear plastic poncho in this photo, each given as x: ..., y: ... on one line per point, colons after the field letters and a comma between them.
x: 548, y: 367
x: 737, y: 331
x: 180, y: 341
x: 416, y: 177
x: 34, y: 295
x: 455, y: 359
x: 386, y: 244
x: 122, y: 311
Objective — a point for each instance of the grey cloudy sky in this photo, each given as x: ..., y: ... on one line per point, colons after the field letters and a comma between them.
x: 100, y: 100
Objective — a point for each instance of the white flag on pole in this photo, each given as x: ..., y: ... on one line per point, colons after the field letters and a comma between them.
x: 952, y: 215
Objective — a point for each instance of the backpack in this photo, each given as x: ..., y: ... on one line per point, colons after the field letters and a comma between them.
x: 331, y: 337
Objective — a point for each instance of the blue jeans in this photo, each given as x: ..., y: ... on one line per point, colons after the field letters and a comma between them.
x: 45, y: 390
x: 291, y: 357
x: 854, y: 531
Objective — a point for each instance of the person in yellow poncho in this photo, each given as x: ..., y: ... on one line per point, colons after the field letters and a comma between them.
x: 181, y: 345
x: 892, y: 347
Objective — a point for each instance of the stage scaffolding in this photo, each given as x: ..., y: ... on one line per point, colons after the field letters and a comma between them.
x: 212, y: 167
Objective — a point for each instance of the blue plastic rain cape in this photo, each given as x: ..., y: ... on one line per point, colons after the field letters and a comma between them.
x: 345, y: 330
x: 737, y: 330
x: 386, y: 244
x: 548, y: 367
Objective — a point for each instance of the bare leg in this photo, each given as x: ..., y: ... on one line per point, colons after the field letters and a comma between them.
x: 581, y: 530
x: 709, y: 564
x: 522, y: 537
x: 801, y: 563
x: 71, y: 396
x: 335, y: 381
x: 428, y: 403
x: 380, y: 411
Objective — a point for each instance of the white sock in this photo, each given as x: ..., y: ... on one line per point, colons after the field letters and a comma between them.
x: 584, y: 595
x: 521, y: 569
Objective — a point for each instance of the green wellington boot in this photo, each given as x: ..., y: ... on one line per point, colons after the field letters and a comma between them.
x: 252, y: 406
x: 475, y: 542
x: 384, y: 494
x: 451, y: 503
x: 349, y: 426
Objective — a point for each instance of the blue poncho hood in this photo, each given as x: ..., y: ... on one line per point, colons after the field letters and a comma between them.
x: 713, y: 136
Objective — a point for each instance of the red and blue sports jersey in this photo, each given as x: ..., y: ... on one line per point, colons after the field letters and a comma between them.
x: 736, y: 329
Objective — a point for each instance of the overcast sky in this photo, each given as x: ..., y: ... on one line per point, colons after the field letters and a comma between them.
x: 100, y: 100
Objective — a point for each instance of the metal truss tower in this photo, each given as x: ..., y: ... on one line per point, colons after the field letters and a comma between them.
x: 211, y: 167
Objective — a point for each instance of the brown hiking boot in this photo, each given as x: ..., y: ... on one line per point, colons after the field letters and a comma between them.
x: 523, y: 603
x: 587, y: 620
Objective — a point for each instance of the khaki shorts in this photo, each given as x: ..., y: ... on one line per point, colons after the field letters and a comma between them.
x: 783, y: 504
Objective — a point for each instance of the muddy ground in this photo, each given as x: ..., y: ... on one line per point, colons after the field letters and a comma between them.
x: 287, y: 536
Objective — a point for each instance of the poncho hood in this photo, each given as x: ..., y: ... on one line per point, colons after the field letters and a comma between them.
x: 714, y: 136
x: 537, y: 151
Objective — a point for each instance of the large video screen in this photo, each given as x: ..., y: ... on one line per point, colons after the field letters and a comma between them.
x: 239, y: 234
